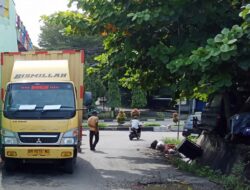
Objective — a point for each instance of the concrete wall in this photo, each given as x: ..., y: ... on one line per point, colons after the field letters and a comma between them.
x: 8, y: 34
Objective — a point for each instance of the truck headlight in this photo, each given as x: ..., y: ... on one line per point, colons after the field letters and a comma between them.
x: 68, y: 141
x: 70, y: 137
x: 9, y: 140
x: 9, y: 137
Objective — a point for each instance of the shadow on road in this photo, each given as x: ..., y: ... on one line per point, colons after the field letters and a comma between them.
x: 52, y: 177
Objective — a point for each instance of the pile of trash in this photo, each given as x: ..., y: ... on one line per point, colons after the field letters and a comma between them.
x: 186, y: 149
x: 165, y: 148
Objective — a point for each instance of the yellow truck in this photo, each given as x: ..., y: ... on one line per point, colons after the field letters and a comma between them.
x: 42, y: 94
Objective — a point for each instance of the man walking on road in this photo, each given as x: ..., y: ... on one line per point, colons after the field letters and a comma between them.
x: 93, y: 130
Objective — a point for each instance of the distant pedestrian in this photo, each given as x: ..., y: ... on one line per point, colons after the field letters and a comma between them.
x: 93, y: 130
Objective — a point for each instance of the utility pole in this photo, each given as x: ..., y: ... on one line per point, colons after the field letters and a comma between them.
x: 179, y: 115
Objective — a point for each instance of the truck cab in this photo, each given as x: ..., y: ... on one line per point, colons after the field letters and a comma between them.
x: 40, y: 120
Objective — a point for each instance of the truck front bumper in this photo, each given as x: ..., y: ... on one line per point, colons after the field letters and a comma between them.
x: 39, y: 152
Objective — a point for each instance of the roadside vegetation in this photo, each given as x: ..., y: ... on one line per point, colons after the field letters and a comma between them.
x: 183, y: 43
x: 174, y: 141
x: 101, y: 125
x: 234, y: 181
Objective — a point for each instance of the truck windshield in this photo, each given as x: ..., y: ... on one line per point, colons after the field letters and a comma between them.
x: 40, y: 101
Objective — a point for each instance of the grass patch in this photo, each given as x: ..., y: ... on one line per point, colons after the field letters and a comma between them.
x: 192, y: 138
x: 101, y: 125
x: 172, y: 141
x: 234, y: 181
x: 151, y: 124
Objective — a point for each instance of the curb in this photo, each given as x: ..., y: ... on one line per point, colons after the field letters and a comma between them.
x: 120, y: 129
x: 153, y: 129
x: 142, y: 119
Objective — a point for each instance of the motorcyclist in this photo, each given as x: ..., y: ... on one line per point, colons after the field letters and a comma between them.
x: 135, y: 122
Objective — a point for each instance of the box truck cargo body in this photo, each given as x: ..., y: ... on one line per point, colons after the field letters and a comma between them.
x: 43, y: 97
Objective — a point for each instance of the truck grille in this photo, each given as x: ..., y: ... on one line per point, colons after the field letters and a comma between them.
x: 38, y: 138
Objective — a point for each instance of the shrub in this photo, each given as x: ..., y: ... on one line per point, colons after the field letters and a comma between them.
x: 175, y: 117
x: 121, y: 117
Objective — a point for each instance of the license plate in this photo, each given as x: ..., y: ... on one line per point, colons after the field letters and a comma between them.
x: 38, y: 152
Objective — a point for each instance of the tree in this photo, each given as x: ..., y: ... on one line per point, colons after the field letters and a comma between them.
x: 220, y: 65
x: 114, y: 97
x: 52, y: 37
x: 144, y: 39
x: 94, y: 83
x: 139, y: 99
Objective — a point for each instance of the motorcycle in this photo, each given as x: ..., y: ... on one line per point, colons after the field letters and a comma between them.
x: 134, y: 133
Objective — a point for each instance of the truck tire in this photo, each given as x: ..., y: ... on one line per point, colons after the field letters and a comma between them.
x: 69, y: 165
x: 10, y: 165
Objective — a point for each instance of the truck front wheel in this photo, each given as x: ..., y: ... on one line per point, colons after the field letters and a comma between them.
x: 69, y: 165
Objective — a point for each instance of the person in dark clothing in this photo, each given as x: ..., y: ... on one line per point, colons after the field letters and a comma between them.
x: 93, y: 130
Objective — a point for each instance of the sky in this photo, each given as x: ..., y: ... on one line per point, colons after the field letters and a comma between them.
x: 30, y: 12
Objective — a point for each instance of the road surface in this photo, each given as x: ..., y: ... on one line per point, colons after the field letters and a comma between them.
x: 117, y: 163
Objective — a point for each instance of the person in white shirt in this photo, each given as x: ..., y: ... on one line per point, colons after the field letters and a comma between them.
x: 136, y: 124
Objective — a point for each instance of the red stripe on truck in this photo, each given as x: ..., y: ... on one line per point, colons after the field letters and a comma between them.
x: 13, y: 53
x: 82, y: 56
x: 70, y: 51
x: 1, y: 58
x: 81, y: 92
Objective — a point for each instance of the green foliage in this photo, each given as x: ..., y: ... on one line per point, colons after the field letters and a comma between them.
x: 159, y: 43
x: 160, y: 115
x: 53, y: 37
x: 139, y: 99
x: 121, y: 117
x: 114, y: 97
x: 192, y: 138
x: 94, y: 83
x: 219, y: 54
x: 234, y: 181
x: 172, y: 141
x: 100, y: 125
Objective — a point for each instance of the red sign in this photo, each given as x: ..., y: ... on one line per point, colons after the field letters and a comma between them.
x: 40, y: 87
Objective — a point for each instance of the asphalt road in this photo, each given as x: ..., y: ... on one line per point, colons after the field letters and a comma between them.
x: 117, y: 163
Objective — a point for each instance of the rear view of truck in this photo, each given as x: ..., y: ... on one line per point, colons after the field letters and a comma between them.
x: 42, y: 119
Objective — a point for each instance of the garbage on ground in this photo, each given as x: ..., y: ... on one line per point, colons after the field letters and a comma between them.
x: 160, y: 146
x: 165, y: 148
x: 190, y: 149
x: 169, y: 149
x: 154, y: 144
x: 187, y: 149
